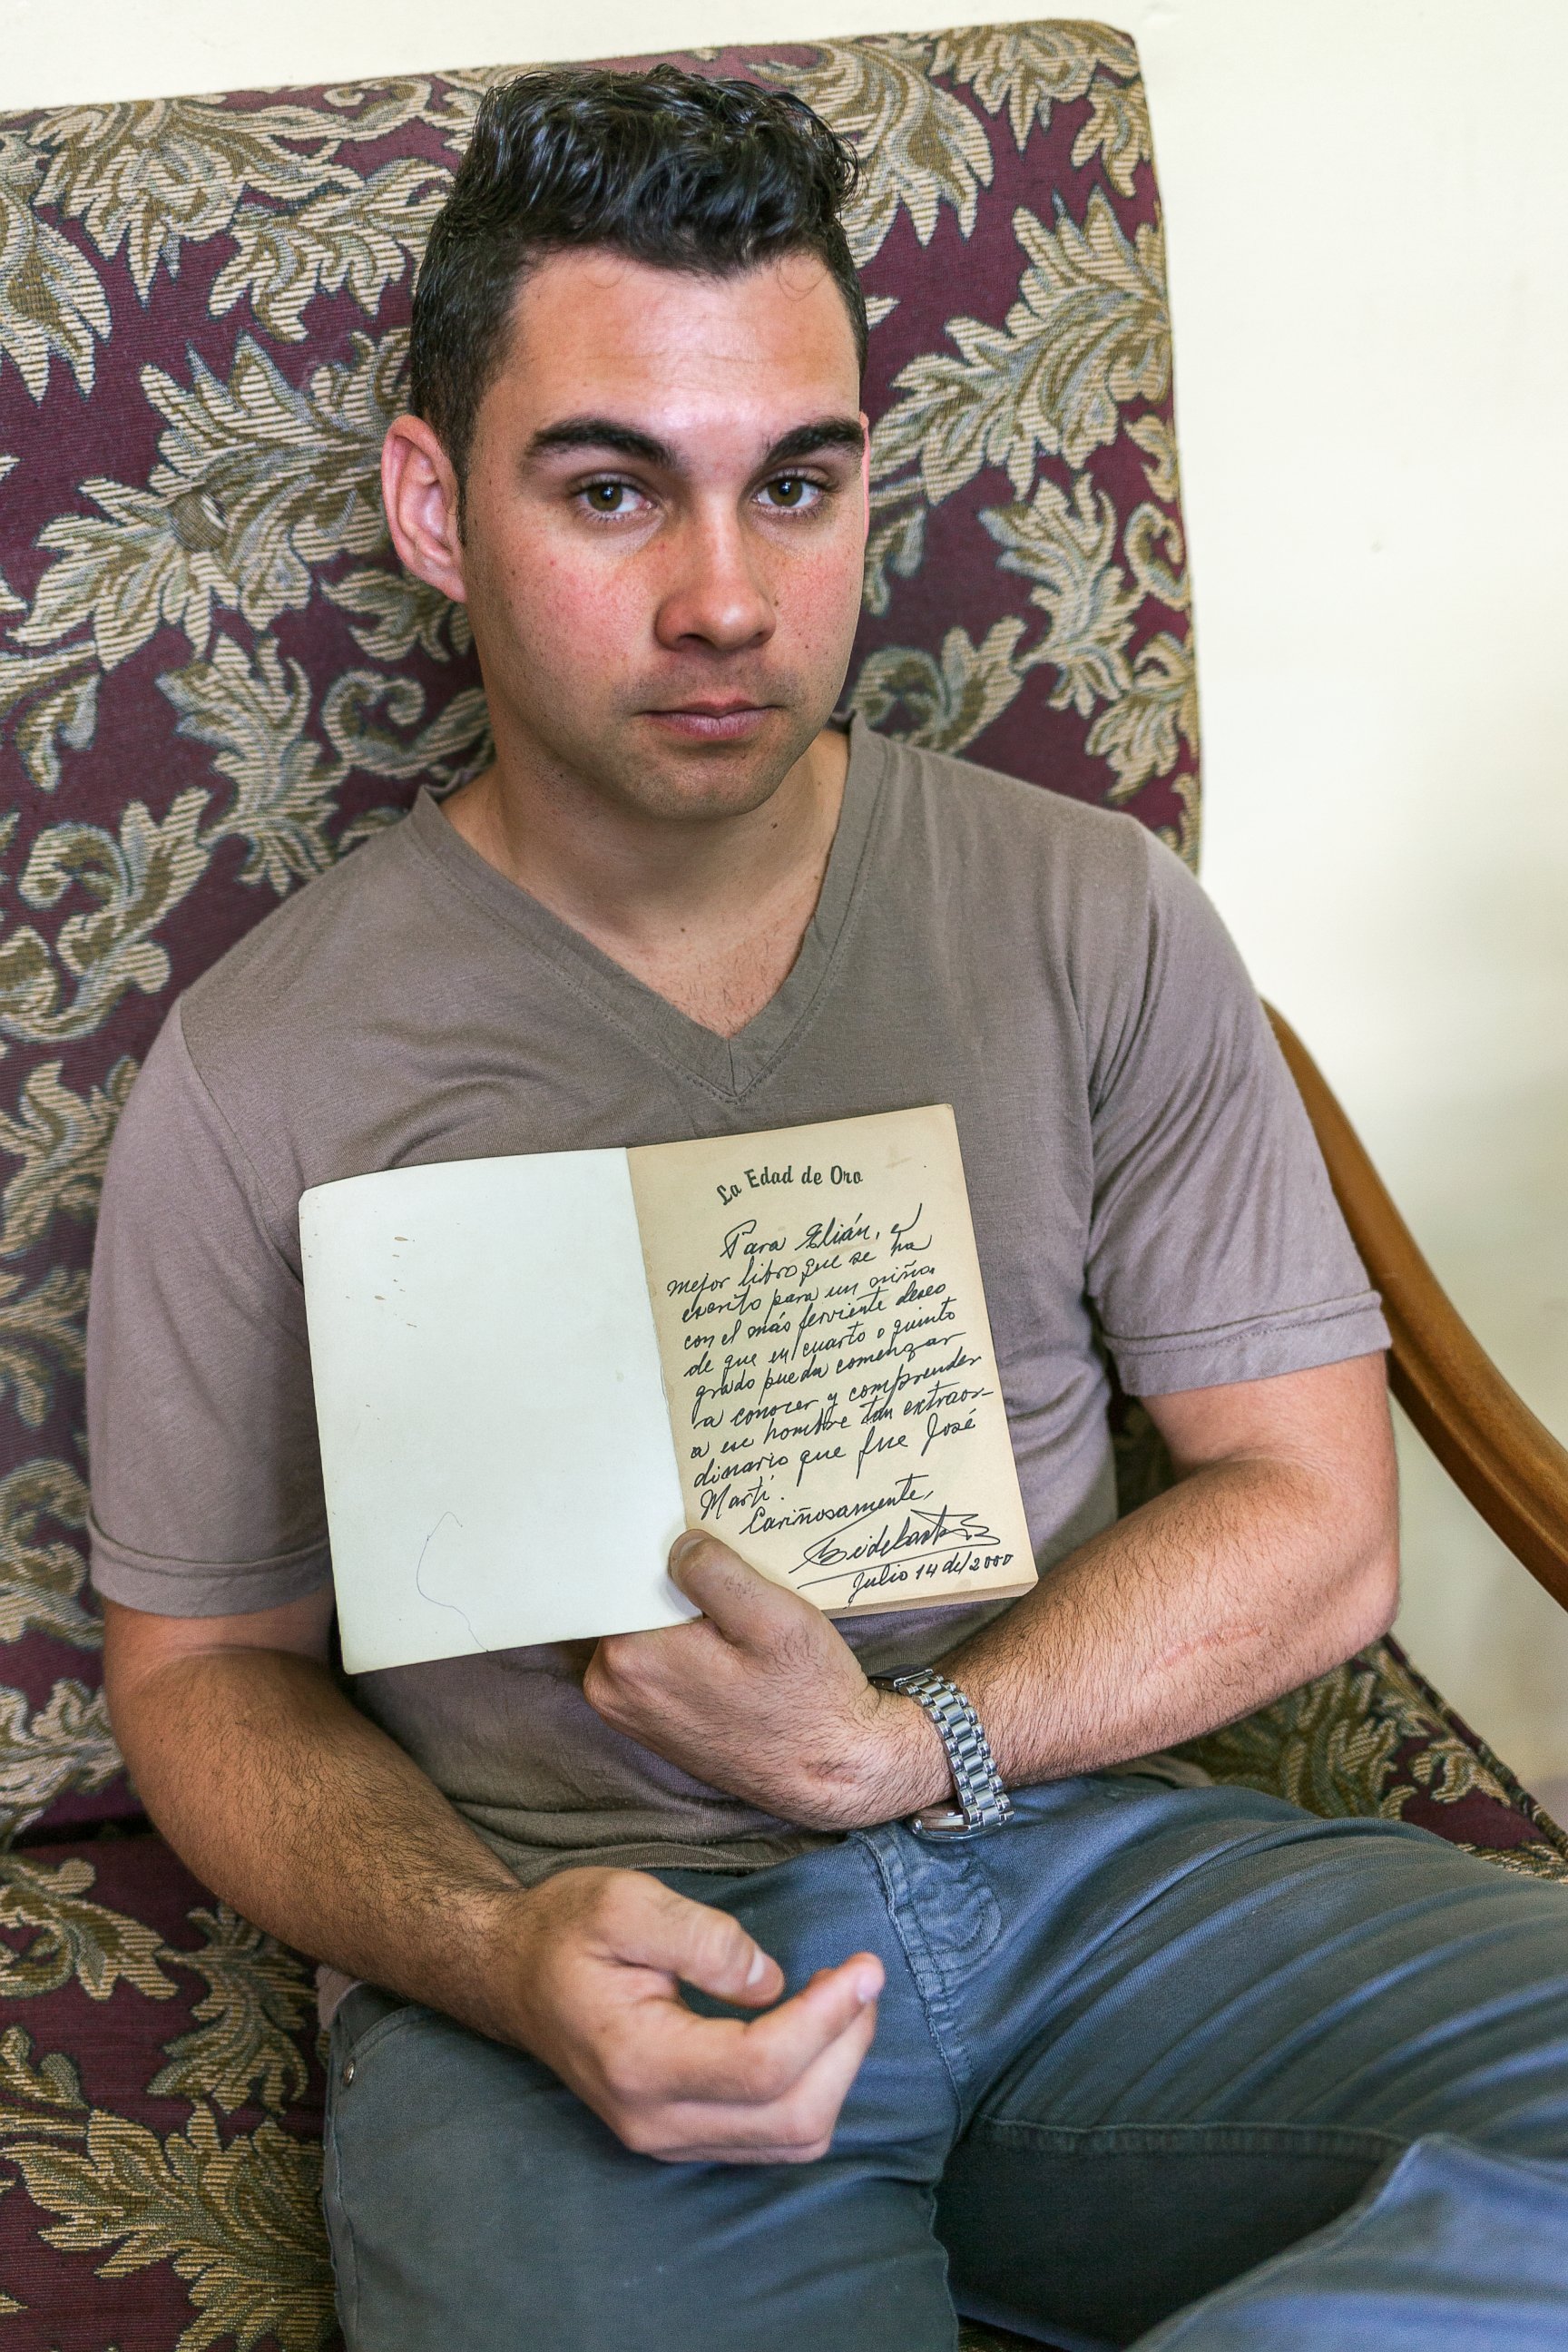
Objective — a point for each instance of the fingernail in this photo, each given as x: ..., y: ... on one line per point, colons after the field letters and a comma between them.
x: 758, y: 1968
x: 683, y: 1547
x: 867, y: 1985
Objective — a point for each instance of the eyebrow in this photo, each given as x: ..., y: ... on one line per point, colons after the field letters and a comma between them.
x: 823, y: 433
x: 605, y: 432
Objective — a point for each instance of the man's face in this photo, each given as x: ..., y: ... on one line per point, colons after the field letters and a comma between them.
x: 665, y: 528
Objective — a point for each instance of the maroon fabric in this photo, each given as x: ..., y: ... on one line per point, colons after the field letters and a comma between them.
x: 97, y: 2143
x: 1495, y: 1813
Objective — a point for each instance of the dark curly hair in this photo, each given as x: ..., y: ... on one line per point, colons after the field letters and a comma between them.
x: 666, y: 167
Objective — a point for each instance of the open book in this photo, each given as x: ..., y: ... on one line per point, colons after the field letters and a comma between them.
x: 531, y: 1374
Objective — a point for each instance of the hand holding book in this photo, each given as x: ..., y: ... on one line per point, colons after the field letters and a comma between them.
x: 763, y: 1697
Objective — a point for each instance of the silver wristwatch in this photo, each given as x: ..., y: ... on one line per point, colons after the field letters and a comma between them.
x: 979, y: 1800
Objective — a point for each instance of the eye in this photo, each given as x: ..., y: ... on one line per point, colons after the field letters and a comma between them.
x: 792, y: 493
x: 608, y: 497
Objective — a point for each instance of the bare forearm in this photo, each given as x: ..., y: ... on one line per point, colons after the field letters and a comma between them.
x: 317, y: 1826
x: 1233, y: 1587
x: 1274, y: 1556
x: 287, y: 1801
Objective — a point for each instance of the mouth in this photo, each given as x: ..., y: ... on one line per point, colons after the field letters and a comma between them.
x: 712, y: 721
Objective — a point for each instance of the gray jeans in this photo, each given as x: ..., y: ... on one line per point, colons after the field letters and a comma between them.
x: 1173, y: 2066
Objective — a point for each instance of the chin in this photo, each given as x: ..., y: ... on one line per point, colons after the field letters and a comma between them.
x: 709, y: 782
x: 701, y: 796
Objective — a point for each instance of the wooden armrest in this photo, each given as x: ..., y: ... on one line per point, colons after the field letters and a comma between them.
x: 1484, y: 1435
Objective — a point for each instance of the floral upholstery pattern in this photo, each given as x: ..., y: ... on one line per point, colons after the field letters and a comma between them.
x: 160, y: 2113
x: 215, y: 679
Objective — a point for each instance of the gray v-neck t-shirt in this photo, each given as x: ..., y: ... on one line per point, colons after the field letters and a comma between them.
x: 1145, y: 1189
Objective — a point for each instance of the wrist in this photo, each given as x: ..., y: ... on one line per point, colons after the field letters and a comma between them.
x: 507, y: 1931
x: 903, y: 1764
x: 979, y: 1799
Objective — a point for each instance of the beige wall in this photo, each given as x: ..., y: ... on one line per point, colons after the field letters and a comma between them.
x: 1368, y: 205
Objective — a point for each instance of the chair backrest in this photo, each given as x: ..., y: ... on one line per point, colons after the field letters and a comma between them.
x: 214, y: 678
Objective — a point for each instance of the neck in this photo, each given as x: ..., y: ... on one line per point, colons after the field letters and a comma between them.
x: 710, y: 913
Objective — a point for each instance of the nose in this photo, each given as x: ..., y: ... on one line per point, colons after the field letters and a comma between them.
x: 715, y: 594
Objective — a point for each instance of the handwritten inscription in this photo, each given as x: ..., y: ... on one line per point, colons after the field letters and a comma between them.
x: 830, y: 1386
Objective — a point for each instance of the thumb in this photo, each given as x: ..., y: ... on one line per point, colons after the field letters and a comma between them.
x: 701, y: 1946
x: 748, y: 1609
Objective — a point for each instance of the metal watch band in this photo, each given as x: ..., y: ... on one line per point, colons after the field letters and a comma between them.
x: 977, y: 1784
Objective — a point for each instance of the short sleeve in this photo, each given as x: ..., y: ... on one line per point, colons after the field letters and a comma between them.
x: 1217, y: 1251
x: 206, y: 1478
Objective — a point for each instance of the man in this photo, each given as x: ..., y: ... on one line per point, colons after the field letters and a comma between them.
x: 675, y: 2018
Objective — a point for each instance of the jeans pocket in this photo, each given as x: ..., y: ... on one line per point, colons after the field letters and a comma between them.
x: 365, y: 2018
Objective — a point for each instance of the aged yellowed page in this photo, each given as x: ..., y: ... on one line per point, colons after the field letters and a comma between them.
x: 828, y: 1361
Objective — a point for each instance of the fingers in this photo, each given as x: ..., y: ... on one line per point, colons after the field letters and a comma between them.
x: 648, y: 1924
x: 604, y: 1953
x: 725, y: 2062
x: 795, y: 2129
x: 685, y: 2087
x: 749, y: 1610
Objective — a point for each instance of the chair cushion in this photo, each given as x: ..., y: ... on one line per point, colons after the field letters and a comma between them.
x: 1373, y: 1738
x: 161, y: 2101
x: 160, y: 2113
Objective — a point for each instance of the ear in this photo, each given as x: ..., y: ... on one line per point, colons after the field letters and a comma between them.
x: 865, y: 468
x: 420, y: 491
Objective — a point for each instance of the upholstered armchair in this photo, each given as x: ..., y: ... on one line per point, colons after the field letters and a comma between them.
x: 214, y: 680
